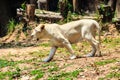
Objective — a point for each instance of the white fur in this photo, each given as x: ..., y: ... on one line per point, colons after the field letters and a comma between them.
x: 69, y: 33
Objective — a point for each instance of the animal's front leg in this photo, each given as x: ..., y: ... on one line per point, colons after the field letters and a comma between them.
x: 51, y: 54
x: 69, y: 48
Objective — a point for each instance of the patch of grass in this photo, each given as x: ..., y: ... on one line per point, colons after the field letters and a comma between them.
x: 44, y: 44
x: 16, y: 73
x: 39, y: 53
x: 85, y: 43
x: 115, y: 68
x: 111, y: 42
x: 49, y: 64
x: 38, y: 74
x: 104, y: 62
x: 10, y: 74
x: 101, y: 79
x: 4, y: 63
x: 54, y: 68
x: 111, y: 75
x: 66, y: 65
x: 63, y: 50
x: 66, y: 75
x: 5, y: 74
x: 74, y: 46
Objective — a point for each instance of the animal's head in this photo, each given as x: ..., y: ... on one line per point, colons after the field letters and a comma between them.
x: 38, y: 32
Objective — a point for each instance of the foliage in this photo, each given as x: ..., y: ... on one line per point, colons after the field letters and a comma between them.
x: 16, y: 73
x: 65, y: 75
x: 10, y: 74
x: 23, y: 5
x: 104, y: 62
x: 69, y: 17
x: 111, y: 42
x: 11, y: 25
x: 4, y: 63
x: 54, y: 68
x: 115, y: 75
x: 38, y: 74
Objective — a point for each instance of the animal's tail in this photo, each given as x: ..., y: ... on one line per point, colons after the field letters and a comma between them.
x: 99, y: 37
x: 99, y: 31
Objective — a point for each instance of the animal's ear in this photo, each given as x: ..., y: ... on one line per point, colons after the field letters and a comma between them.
x: 42, y: 27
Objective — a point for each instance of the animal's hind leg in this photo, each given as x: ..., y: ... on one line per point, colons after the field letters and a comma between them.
x: 92, y: 53
x: 94, y: 43
x: 97, y: 44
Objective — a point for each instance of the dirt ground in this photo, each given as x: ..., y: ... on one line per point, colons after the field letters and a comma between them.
x: 61, y: 59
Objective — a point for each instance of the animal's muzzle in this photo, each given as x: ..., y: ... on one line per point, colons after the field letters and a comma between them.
x: 31, y: 36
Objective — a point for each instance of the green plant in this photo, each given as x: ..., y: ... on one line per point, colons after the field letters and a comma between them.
x: 55, y: 68
x: 11, y: 25
x: 69, y: 17
x: 3, y: 75
x: 104, y: 62
x: 113, y: 75
x: 39, y: 53
x: 4, y: 63
x: 100, y: 78
x: 38, y: 74
x: 102, y: 7
x: 48, y: 64
x: 111, y: 42
x: 66, y: 75
x: 16, y: 73
x: 23, y: 6
x: 10, y: 74
x: 44, y: 44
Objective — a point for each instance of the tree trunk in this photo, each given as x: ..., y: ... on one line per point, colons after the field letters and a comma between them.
x: 91, y: 5
x: 112, y: 4
x: 75, y: 6
x: 118, y: 9
x: 43, y: 4
x: 30, y: 10
x: 63, y: 8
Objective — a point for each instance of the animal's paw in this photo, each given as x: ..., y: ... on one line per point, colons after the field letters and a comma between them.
x: 73, y: 57
x: 99, y: 54
x: 89, y: 55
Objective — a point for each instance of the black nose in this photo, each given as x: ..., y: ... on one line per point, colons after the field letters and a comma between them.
x: 37, y: 39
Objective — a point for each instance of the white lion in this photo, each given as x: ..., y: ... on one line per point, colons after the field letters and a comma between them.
x: 69, y: 33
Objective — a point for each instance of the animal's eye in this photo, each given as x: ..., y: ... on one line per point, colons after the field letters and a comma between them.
x: 37, y: 31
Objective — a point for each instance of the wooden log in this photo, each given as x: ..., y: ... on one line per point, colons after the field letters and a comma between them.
x: 30, y: 11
